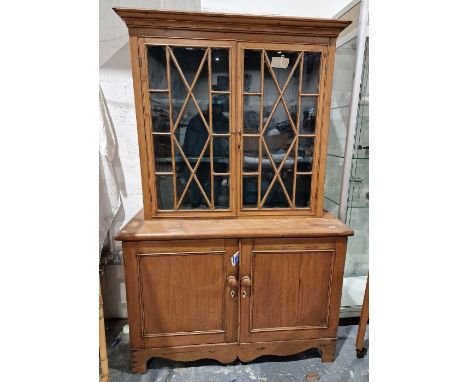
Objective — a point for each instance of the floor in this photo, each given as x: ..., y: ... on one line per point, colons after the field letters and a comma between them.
x: 267, y: 368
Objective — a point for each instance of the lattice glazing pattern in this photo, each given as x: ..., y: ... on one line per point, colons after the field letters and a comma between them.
x: 280, y: 101
x: 190, y: 108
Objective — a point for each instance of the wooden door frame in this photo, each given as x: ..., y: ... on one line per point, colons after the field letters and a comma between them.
x: 320, y: 144
x: 144, y: 126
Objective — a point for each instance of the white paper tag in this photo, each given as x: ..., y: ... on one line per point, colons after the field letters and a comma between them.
x: 235, y: 259
x: 280, y: 62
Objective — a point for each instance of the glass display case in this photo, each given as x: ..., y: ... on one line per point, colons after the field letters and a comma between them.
x: 357, y: 209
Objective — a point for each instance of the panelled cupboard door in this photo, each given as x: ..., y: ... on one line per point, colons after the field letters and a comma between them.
x: 178, y: 292
x: 187, y: 95
x: 290, y: 288
x: 283, y: 125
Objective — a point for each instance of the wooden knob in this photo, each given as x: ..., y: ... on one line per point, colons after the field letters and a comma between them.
x: 231, y: 281
x: 246, y: 282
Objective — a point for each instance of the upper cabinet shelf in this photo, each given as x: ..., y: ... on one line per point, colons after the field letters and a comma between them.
x: 232, y: 112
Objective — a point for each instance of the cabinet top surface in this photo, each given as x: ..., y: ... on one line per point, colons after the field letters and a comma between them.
x: 140, y: 18
x: 138, y: 229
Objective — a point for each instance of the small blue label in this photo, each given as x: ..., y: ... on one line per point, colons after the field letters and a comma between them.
x: 235, y: 259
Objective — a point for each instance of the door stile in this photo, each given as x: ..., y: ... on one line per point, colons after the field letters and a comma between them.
x: 231, y: 302
x: 245, y: 269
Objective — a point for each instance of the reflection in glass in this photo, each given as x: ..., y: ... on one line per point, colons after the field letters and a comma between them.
x: 189, y: 60
x: 279, y: 134
x: 220, y: 113
x: 307, y: 123
x: 251, y: 114
x: 249, y: 191
x: 276, y: 197
x: 221, y: 154
x: 162, y: 153
x: 305, y: 154
x: 251, y: 154
x: 220, y: 69
x: 160, y: 112
x: 157, y: 76
x: 221, y: 192
x: 203, y: 174
x: 193, y: 198
x: 252, y: 62
x: 164, y: 192
x: 303, y: 185
x: 311, y: 73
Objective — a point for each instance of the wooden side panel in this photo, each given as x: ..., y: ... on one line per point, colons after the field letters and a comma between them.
x: 291, y: 289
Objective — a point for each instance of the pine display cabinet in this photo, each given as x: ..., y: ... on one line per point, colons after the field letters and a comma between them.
x: 232, y: 255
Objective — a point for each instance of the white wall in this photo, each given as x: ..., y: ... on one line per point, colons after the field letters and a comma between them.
x: 304, y: 8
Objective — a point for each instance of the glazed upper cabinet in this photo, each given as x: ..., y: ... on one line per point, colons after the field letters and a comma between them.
x: 229, y: 124
x: 187, y: 102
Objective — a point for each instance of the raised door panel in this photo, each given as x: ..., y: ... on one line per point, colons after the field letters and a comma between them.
x: 182, y: 297
x: 294, y: 289
x: 181, y: 293
x: 291, y: 289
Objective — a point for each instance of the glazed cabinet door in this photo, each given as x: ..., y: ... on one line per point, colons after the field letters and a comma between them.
x: 290, y: 288
x: 284, y: 121
x: 187, y: 88
x: 181, y: 292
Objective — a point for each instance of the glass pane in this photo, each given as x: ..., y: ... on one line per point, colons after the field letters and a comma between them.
x: 251, y: 154
x: 279, y: 134
x: 220, y: 69
x: 179, y: 92
x: 160, y: 112
x: 221, y: 154
x: 267, y: 173
x: 189, y: 60
x: 193, y: 198
x: 249, y: 191
x: 221, y: 192
x: 303, y: 190
x: 164, y: 191
x: 308, y: 116
x: 291, y: 95
x: 251, y: 114
x: 311, y: 73
x: 282, y: 63
x: 162, y: 153
x: 276, y: 197
x: 252, y: 62
x: 200, y: 90
x: 191, y: 133
x: 220, y: 114
x: 287, y: 175
x: 204, y: 172
x: 157, y: 76
x: 305, y: 154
